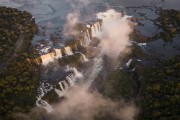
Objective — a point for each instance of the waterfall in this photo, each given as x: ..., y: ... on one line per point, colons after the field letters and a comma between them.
x: 71, y: 79
x: 46, y: 59
x: 84, y: 58
x: 95, y: 28
x: 61, y: 86
x: 93, y: 32
x: 44, y: 104
x: 88, y: 35
x: 58, y: 92
x: 68, y: 50
x: 65, y: 85
x: 97, y: 67
x: 129, y: 62
x: 86, y: 39
x: 58, y: 53
x: 77, y: 73
x: 98, y: 26
x: 42, y: 90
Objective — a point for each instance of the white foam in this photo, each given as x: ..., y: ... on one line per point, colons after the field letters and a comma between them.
x: 68, y: 50
x: 88, y: 26
x: 142, y: 44
x: 129, y: 62
x: 77, y: 73
x: 45, y: 105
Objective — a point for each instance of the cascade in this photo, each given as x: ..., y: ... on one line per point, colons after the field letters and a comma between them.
x: 77, y: 73
x: 46, y: 59
x: 90, y: 32
x: 65, y: 85
x: 43, y: 89
x: 129, y: 62
x: 59, y: 93
x: 45, y: 105
x: 86, y: 39
x: 93, y: 32
x: 68, y: 50
x: 71, y: 79
x: 88, y: 35
x: 61, y: 86
x: 97, y: 67
x: 96, y: 27
x: 99, y: 26
x: 58, y: 53
x: 84, y: 59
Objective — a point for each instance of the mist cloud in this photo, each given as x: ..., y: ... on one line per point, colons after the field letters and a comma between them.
x: 114, y: 36
x: 81, y: 104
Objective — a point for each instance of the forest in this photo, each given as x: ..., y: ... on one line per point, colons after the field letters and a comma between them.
x: 18, y: 78
x: 160, y: 91
x: 169, y: 24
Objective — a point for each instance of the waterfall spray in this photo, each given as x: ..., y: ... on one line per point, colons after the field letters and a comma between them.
x: 77, y: 73
x: 97, y: 67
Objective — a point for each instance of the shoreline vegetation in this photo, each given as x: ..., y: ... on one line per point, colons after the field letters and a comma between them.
x: 18, y: 78
x: 169, y: 24
x: 159, y: 96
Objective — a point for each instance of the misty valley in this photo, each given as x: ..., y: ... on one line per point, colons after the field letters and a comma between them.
x: 89, y: 60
